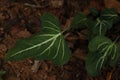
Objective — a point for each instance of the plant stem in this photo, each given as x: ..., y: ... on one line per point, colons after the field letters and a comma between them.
x: 35, y: 66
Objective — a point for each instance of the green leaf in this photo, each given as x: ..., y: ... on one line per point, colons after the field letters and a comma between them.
x: 101, y: 49
x: 110, y: 14
x: 47, y: 45
x: 115, y: 55
x: 93, y: 44
x: 92, y: 66
x: 79, y: 21
x: 101, y: 26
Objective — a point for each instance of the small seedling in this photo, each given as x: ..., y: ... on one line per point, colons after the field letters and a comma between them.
x: 49, y: 44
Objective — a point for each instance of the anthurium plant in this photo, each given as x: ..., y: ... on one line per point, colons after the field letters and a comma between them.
x: 50, y: 44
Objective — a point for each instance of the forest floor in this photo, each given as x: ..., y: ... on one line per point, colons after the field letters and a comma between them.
x: 21, y: 19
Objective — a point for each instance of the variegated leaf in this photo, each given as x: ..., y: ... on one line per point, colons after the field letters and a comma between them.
x: 49, y: 44
x: 111, y: 15
x: 101, y: 49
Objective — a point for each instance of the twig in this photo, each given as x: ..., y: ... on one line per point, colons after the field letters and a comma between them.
x: 35, y: 66
x: 32, y: 5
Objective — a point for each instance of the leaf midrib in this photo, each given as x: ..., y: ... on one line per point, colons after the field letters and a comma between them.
x: 34, y: 46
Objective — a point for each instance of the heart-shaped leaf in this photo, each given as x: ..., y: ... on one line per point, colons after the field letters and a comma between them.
x: 47, y: 45
x: 79, y: 21
x: 101, y: 49
x: 93, y: 44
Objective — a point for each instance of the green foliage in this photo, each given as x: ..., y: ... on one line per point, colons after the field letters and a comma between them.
x: 79, y: 21
x: 110, y: 14
x: 99, y: 27
x: 47, y: 45
x: 103, y: 23
x: 101, y: 49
